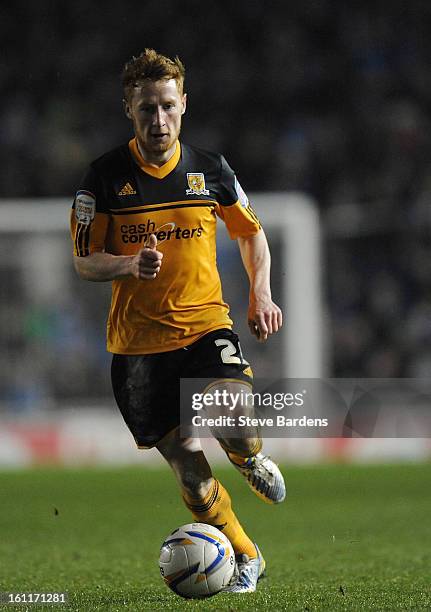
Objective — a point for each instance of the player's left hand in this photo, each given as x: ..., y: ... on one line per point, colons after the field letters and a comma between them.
x: 264, y: 318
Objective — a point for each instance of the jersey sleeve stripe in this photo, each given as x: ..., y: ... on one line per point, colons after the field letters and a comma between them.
x: 86, y: 240
x: 252, y: 214
x: 77, y: 242
x: 82, y: 239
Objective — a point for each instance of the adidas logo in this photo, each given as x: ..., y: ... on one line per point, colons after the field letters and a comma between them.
x: 127, y: 190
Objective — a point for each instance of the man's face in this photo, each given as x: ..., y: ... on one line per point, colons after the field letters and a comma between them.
x: 155, y: 108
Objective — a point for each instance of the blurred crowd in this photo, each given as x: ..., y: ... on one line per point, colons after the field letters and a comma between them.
x: 324, y: 96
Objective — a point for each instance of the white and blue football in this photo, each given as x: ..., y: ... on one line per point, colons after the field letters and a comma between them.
x: 196, y: 560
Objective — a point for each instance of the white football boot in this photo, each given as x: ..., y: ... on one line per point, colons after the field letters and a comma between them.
x: 264, y: 478
x: 247, y: 573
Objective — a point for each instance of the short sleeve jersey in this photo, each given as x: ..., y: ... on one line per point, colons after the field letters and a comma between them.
x: 122, y: 201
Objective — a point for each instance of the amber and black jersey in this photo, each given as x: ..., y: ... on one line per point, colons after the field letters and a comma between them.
x: 121, y: 201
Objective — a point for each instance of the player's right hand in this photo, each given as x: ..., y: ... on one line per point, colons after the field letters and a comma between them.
x: 146, y: 264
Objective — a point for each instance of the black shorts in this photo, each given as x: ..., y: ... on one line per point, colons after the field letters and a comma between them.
x: 147, y: 387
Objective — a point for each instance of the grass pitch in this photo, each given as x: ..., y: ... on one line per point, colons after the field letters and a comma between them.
x: 348, y: 538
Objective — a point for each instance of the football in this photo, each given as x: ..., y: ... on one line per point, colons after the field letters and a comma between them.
x: 196, y: 560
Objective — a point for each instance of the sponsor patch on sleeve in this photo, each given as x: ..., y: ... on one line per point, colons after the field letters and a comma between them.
x: 243, y: 199
x: 85, y: 207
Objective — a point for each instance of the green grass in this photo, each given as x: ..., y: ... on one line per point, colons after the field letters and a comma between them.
x: 348, y: 538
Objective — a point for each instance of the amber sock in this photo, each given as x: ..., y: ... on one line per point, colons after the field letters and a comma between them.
x: 240, y: 459
x: 237, y: 459
x: 216, y: 509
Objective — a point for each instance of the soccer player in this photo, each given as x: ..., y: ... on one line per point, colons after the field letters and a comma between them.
x: 144, y: 217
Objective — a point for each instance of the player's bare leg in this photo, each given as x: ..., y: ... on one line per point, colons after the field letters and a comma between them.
x: 188, y: 462
x: 243, y: 444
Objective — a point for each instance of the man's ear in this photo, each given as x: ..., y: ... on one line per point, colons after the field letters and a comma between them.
x: 126, y: 107
x: 184, y: 103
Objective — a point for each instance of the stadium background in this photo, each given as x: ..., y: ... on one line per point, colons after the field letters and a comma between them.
x: 318, y: 97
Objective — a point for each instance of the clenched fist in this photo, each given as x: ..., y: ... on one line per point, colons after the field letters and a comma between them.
x: 264, y: 318
x: 146, y: 264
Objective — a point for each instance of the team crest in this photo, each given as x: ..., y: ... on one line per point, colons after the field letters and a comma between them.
x: 196, y: 182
